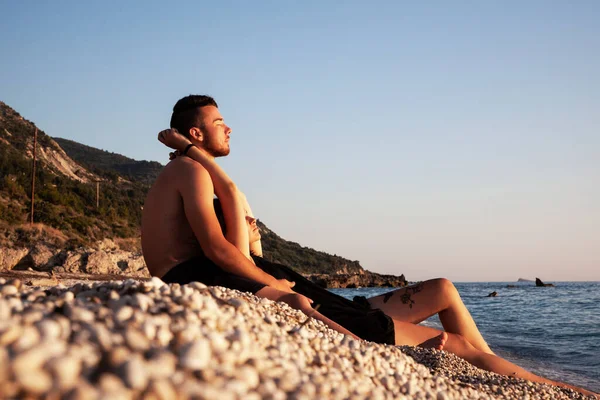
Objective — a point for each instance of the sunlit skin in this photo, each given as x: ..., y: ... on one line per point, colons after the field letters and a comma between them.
x: 437, y: 296
x: 253, y: 231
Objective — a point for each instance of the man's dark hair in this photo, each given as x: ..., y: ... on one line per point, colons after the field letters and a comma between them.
x: 187, y: 114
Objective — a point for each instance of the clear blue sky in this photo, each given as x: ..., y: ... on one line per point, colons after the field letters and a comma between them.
x: 456, y: 139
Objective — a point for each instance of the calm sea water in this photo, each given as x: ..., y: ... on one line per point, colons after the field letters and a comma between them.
x: 553, y: 332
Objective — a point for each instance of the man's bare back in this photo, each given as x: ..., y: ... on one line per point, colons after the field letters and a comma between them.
x: 167, y: 237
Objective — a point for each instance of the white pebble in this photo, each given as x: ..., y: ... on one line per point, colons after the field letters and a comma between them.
x: 49, y: 329
x: 136, y: 340
x: 196, y: 355
x: 197, y: 285
x: 124, y: 313
x: 35, y: 381
x: 4, y: 310
x: 29, y: 336
x: 248, y: 375
x: 163, y: 389
x: 134, y: 373
x: 66, y: 370
x: 9, y: 290
x: 4, y: 370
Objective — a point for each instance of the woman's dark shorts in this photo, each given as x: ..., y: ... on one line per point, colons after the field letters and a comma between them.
x: 357, y: 316
x: 201, y: 269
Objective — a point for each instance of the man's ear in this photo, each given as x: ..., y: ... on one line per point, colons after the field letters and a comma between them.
x: 196, y: 134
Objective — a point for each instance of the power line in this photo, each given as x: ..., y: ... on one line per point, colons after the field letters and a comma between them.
x: 33, y: 174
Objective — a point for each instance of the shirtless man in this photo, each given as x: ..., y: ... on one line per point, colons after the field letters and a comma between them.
x: 182, y: 240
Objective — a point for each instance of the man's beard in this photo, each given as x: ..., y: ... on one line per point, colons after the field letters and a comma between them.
x: 217, y: 151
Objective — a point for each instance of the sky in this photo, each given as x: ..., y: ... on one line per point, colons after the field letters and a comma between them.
x: 435, y: 139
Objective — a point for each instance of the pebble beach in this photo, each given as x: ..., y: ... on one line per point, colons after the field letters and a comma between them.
x: 146, y: 339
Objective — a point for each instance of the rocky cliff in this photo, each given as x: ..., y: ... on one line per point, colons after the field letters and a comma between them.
x: 40, y: 248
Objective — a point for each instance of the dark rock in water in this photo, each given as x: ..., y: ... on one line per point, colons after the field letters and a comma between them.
x: 493, y: 294
x: 538, y: 282
x: 511, y: 286
x: 524, y: 280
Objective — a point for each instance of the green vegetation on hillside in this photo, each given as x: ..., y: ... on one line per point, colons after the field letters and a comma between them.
x: 60, y: 202
x: 303, y: 259
x: 102, y: 162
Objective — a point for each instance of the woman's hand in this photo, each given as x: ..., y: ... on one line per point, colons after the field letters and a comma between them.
x: 284, y: 285
x: 173, y: 139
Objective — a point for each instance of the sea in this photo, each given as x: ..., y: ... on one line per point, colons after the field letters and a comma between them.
x: 551, y: 331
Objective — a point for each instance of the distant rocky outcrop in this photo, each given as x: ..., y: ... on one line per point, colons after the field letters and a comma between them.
x: 352, y: 281
x: 524, y: 280
x: 539, y: 283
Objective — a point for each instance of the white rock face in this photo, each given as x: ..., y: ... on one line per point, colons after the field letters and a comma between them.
x: 64, y: 164
x: 10, y: 257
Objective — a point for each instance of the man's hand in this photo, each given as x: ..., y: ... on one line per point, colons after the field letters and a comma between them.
x: 173, y: 139
x: 284, y: 285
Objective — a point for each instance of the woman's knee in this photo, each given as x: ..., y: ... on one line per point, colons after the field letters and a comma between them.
x: 444, y: 286
x: 297, y: 301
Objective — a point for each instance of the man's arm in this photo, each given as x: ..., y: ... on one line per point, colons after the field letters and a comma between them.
x: 197, y: 190
x: 224, y: 187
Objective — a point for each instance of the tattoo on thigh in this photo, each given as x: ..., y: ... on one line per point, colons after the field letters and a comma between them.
x: 405, y: 297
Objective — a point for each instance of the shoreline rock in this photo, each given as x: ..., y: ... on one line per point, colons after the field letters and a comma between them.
x: 106, y: 258
x: 353, y: 281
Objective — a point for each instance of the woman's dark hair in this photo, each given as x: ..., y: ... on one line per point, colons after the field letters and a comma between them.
x: 187, y: 113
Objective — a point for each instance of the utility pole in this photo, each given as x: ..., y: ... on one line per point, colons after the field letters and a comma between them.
x: 97, y: 194
x: 33, y: 175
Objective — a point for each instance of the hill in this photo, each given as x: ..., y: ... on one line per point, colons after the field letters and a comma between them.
x: 101, y: 162
x: 304, y: 259
x: 65, y: 196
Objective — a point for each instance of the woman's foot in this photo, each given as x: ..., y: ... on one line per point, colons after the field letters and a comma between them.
x: 437, y: 342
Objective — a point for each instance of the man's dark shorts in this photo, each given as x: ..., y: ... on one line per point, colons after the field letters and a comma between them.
x: 357, y: 316
x: 201, y: 269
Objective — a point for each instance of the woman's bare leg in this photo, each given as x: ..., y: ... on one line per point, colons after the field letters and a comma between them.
x: 302, y: 303
x: 410, y: 334
x: 418, y: 302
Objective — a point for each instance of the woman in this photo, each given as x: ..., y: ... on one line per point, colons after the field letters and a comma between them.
x: 397, y: 313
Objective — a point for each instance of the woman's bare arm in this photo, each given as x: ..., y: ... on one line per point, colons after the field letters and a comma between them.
x: 225, y: 189
x: 255, y: 247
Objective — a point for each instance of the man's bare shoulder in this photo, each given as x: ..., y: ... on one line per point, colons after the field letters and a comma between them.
x: 185, y: 176
x: 185, y: 168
